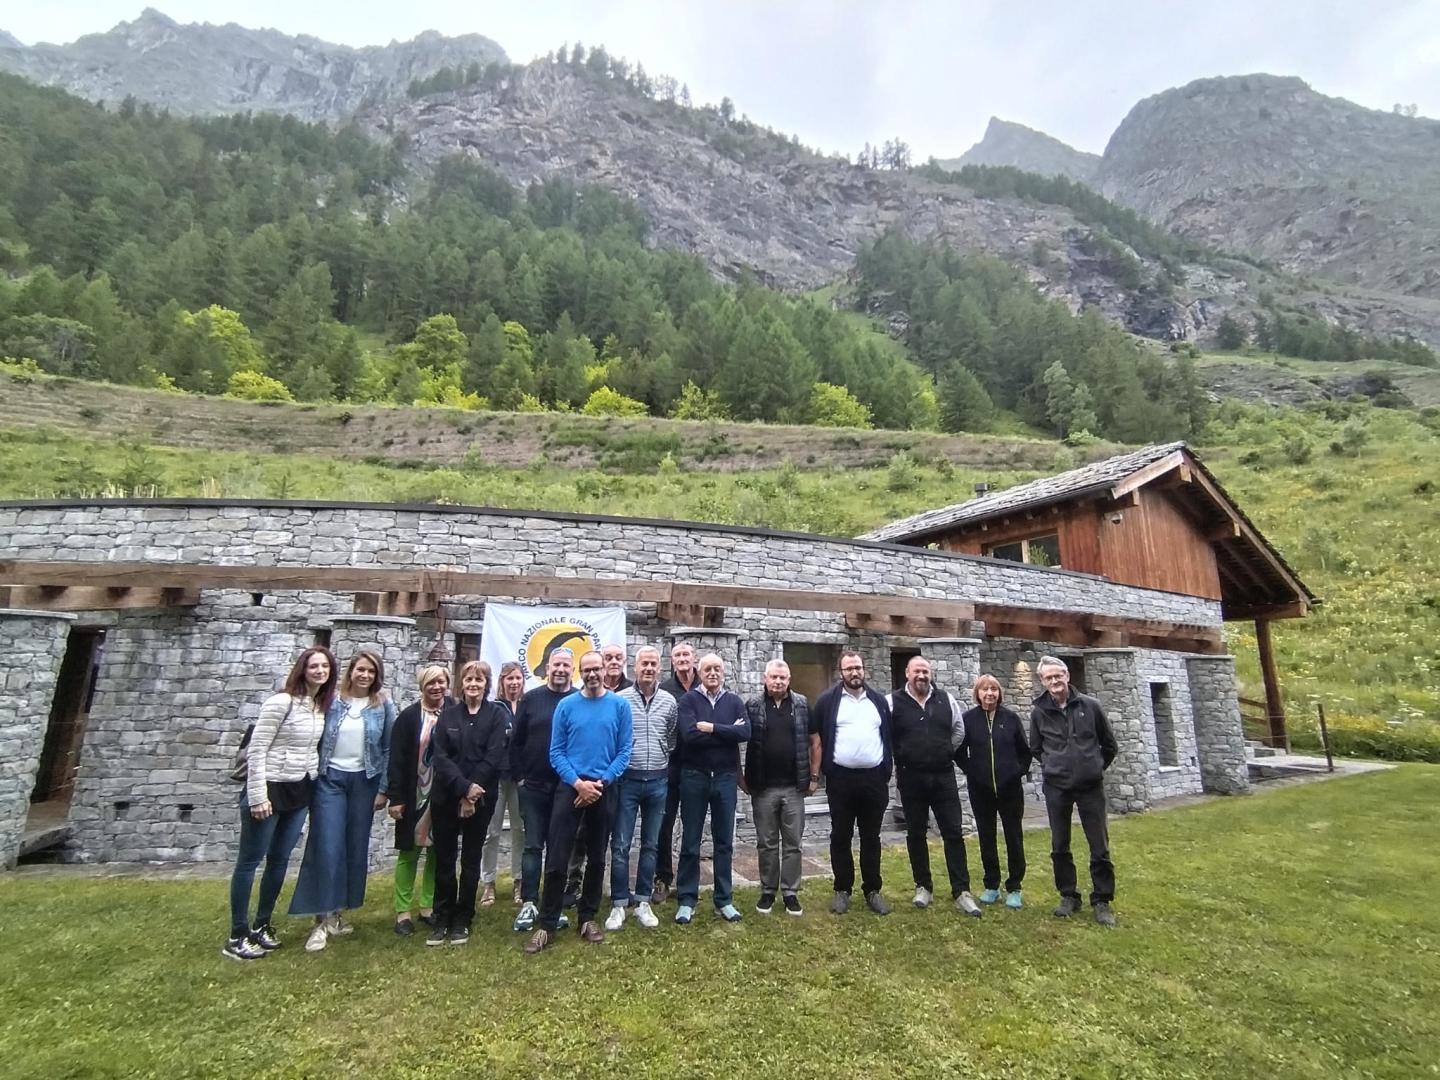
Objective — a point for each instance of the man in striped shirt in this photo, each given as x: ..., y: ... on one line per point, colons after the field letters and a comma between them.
x: 643, y: 789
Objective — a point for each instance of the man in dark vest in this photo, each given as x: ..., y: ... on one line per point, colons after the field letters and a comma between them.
x: 1071, y: 738
x: 927, y: 728
x: 854, y: 724
x: 782, y: 766
x: 682, y: 680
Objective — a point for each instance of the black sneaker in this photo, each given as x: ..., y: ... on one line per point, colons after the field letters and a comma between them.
x: 404, y: 928
x: 264, y: 936
x: 1069, y: 905
x: 460, y: 936
x: 766, y: 904
x: 792, y: 905
x: 876, y: 903
x: 437, y: 936
x: 243, y: 949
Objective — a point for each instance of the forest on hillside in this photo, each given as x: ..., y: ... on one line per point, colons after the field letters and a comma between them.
x: 262, y: 257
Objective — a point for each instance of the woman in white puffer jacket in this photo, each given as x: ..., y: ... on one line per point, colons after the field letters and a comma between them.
x: 284, y: 759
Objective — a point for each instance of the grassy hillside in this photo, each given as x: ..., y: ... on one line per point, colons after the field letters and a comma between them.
x: 1347, y: 492
x: 1420, y: 384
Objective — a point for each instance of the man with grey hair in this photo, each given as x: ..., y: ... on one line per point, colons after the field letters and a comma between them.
x: 643, y: 790
x: 712, y: 724
x: 782, y: 766
x: 1072, y: 740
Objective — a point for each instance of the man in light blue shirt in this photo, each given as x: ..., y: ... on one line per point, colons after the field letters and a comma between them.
x: 590, y: 742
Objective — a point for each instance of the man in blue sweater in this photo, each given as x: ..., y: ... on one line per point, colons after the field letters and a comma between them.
x: 712, y: 724
x: 590, y: 739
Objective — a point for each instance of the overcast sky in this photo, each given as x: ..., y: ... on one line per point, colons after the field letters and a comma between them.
x: 842, y: 72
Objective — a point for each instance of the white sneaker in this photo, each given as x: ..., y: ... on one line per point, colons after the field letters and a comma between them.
x: 966, y: 904
x: 318, y: 938
x: 645, y: 917
x: 616, y: 918
x: 923, y: 897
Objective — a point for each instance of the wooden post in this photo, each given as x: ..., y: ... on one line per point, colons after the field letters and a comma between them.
x: 1274, y: 704
x: 1325, y: 736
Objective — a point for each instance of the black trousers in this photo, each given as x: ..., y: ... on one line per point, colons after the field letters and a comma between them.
x: 1009, y: 805
x: 452, y: 835
x: 665, y: 854
x: 857, y: 797
x: 1091, y: 804
x: 921, y: 792
x: 565, y: 823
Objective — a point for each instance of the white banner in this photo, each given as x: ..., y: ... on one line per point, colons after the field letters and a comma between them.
x: 530, y: 634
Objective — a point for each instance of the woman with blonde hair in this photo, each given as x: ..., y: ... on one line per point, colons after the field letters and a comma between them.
x: 469, y: 748
x: 996, y: 758
x: 354, y: 763
x: 412, y: 778
x: 281, y: 764
x: 512, y: 689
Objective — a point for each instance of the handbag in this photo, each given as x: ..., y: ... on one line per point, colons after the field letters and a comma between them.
x: 240, y: 763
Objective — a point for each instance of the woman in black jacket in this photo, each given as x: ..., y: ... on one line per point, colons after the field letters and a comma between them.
x: 469, y: 745
x: 412, y: 776
x: 996, y: 758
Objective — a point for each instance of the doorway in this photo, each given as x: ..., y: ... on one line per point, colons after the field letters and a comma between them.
x: 47, y: 823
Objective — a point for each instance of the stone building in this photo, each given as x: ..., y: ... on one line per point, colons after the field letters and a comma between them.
x: 140, y: 636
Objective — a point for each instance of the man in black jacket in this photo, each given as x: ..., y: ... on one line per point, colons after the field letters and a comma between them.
x: 782, y: 767
x: 1071, y: 738
x: 530, y: 766
x: 682, y: 680
x: 854, y: 723
x: 928, y: 731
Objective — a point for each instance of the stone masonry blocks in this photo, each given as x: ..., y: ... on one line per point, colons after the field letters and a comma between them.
x: 1219, y: 736
x: 32, y: 644
x: 1114, y: 679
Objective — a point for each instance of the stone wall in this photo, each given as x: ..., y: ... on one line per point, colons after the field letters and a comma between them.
x: 32, y: 644
x: 177, y: 687
x: 1219, y: 735
x: 493, y: 541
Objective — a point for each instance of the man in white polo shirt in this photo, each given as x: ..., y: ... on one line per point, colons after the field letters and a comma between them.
x: 854, y: 722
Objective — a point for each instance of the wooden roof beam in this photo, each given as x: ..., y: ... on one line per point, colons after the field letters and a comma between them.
x: 1141, y: 477
x: 94, y: 597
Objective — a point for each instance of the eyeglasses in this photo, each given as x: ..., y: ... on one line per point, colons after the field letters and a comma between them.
x: 851, y: 670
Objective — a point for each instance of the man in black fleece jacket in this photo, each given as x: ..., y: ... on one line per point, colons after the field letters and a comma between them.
x: 1071, y: 738
x: 530, y: 766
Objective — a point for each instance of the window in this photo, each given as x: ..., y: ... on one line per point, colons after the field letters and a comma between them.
x: 1166, y: 743
x: 1035, y: 550
x: 812, y: 666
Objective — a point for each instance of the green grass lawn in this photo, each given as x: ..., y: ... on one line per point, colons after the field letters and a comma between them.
x: 1291, y: 934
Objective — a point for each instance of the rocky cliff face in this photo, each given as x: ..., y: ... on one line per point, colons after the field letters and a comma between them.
x: 203, y: 69
x: 1025, y: 148
x: 752, y: 203
x: 1265, y: 165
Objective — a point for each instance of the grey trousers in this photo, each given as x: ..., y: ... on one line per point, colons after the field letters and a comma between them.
x: 779, y: 829
x: 490, y: 861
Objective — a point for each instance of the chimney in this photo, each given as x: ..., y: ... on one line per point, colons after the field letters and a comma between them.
x: 982, y: 489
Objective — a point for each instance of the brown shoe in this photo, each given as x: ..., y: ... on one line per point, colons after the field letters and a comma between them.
x: 516, y: 898
x: 538, y: 941
x: 660, y: 894
x: 487, y: 898
x: 592, y: 933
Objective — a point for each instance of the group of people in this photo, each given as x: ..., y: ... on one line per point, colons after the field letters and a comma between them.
x: 580, y: 768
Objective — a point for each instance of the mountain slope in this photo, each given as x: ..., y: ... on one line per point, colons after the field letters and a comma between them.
x: 1007, y: 143
x: 202, y: 69
x: 1266, y: 165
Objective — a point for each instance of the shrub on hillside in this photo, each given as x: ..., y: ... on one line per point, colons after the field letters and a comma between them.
x: 608, y: 402
x: 253, y: 386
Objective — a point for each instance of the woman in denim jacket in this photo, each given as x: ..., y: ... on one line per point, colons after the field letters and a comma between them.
x: 351, y: 787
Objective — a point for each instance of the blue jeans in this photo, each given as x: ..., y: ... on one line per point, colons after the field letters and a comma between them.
x: 535, y: 805
x: 702, y: 790
x: 337, y: 852
x: 271, y: 840
x: 647, y: 798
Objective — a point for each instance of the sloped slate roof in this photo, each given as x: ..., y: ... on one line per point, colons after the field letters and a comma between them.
x: 1085, y: 480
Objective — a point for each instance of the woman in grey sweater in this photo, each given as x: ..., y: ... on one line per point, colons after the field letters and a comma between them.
x: 283, y: 759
